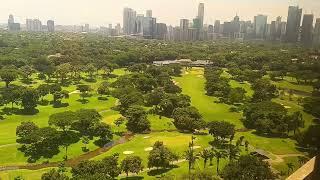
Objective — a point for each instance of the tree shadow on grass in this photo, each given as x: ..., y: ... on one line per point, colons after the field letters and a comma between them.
x: 103, y: 98
x: 155, y: 172
x: 132, y: 178
x: 83, y: 101
x: 103, y: 143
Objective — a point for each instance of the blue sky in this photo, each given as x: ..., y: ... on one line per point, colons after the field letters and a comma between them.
x: 103, y: 12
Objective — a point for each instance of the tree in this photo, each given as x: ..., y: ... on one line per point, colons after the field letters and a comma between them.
x: 205, y: 155
x: 103, y: 89
x: 24, y: 130
x: 119, y: 121
x: 247, y: 167
x: 29, y: 99
x: 63, y: 120
x: 104, y: 131
x: 221, y: 129
x: 27, y: 71
x: 62, y: 71
x: 8, y: 75
x: 137, y: 120
x: 295, y: 122
x: 187, y: 119
x: 12, y: 95
x: 86, y: 120
x: 58, y: 96
x: 53, y: 174
x: 43, y: 90
x: 105, y: 169
x: 84, y: 90
x: 131, y: 164
x: 237, y: 95
x: 159, y: 156
x: 85, y: 140
x: 263, y: 90
x: 219, y: 154
x: 190, y: 156
x: 266, y: 117
x: 90, y: 69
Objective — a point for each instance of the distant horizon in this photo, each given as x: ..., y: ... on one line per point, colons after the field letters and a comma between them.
x: 103, y: 12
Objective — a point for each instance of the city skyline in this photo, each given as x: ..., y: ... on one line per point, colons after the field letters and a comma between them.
x: 96, y: 14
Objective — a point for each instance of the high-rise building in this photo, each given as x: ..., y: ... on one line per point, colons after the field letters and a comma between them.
x: 149, y: 27
x: 139, y: 24
x: 217, y: 26
x: 278, y: 27
x: 161, y: 31
x: 12, y: 26
x: 201, y: 14
x: 129, y: 20
x: 37, y: 25
x: 307, y: 29
x: 316, y: 32
x: 184, y: 26
x: 197, y: 23
x: 273, y: 31
x: 293, y: 24
x: 118, y: 29
x: 86, y: 28
x: 260, y: 26
x: 11, y: 19
x: 50, y: 25
x: 149, y: 13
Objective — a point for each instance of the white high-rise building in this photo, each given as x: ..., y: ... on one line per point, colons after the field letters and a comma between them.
x: 129, y: 19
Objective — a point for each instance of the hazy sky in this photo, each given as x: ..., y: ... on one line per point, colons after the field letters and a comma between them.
x: 103, y: 12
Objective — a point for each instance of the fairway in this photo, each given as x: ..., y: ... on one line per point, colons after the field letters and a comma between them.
x: 192, y: 83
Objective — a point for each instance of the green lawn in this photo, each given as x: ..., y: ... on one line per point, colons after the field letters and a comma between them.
x: 8, y: 144
x: 192, y: 84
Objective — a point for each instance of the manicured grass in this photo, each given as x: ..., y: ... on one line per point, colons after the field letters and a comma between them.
x: 282, y: 167
x: 8, y: 144
x: 177, y: 142
x: 192, y: 84
x: 25, y: 174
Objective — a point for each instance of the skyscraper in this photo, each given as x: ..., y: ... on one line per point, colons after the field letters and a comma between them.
x: 149, y: 27
x: 129, y: 19
x: 201, y: 14
x: 50, y: 25
x: 149, y: 13
x: 307, y: 29
x: 293, y: 23
x: 184, y: 26
x: 260, y: 26
x: 217, y: 26
x: 12, y: 26
x: 316, y: 32
x: 11, y: 19
x: 86, y: 28
x: 139, y: 24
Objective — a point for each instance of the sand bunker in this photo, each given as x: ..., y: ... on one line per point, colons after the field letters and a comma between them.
x: 146, y: 137
x: 128, y: 152
x: 287, y: 107
x: 148, y: 149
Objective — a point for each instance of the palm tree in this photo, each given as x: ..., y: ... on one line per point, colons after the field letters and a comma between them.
x: 189, y: 154
x: 205, y: 155
x: 234, y: 152
x: 290, y: 167
x: 219, y: 154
